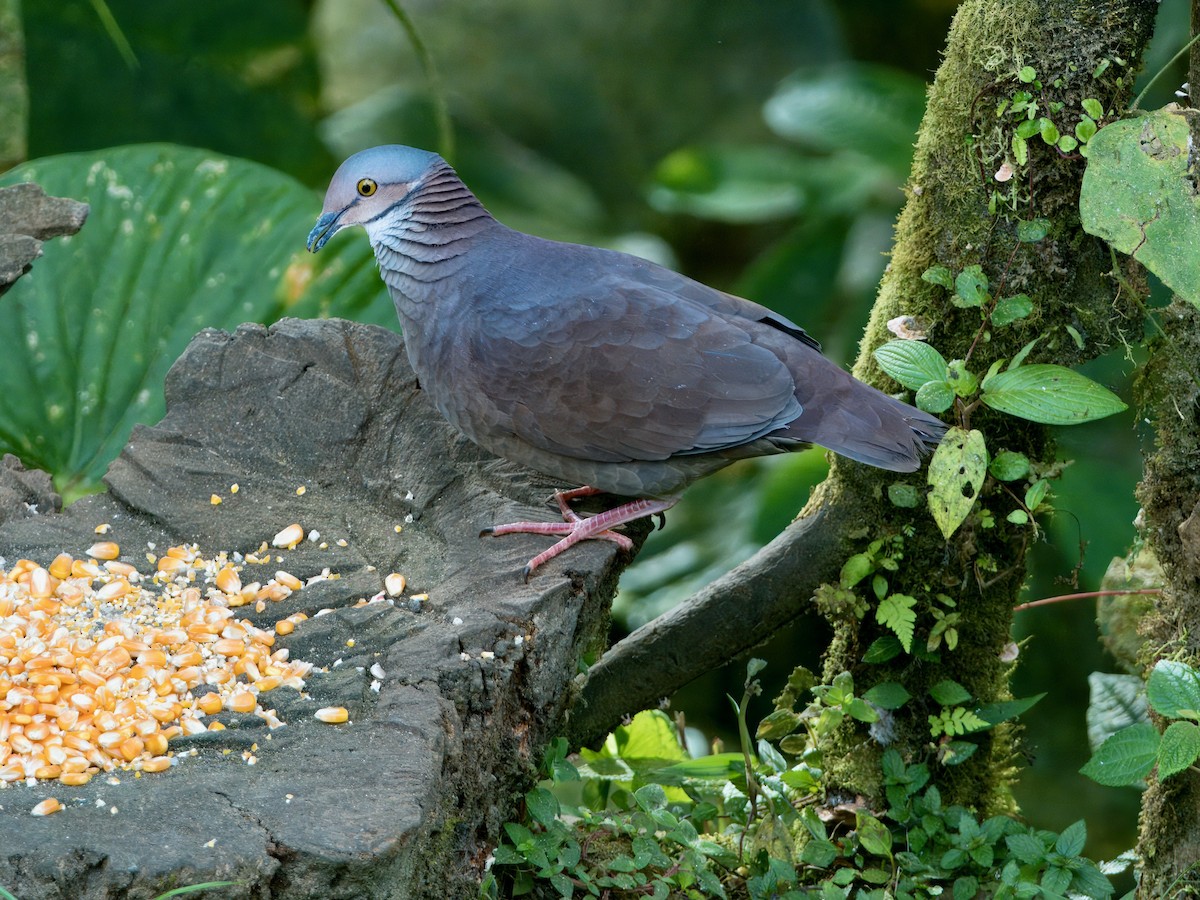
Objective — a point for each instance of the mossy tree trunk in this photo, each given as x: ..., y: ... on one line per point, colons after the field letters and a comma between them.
x: 1169, y: 833
x: 963, y: 211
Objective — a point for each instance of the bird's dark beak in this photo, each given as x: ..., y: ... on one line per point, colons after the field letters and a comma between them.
x: 327, y: 226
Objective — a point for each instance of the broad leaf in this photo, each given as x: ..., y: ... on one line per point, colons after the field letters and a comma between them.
x: 956, y: 474
x: 1008, y: 465
x: 912, y: 363
x: 1179, y: 748
x: 1003, y: 710
x: 1173, y: 690
x: 177, y: 240
x: 1117, y: 701
x: 888, y: 695
x: 1009, y: 309
x: 869, y: 109
x: 949, y: 693
x: 1050, y: 395
x: 1126, y: 758
x: 1137, y: 194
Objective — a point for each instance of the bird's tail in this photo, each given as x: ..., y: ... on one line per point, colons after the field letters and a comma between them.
x: 857, y: 421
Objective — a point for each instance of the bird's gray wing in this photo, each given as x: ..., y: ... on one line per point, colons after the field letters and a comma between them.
x: 613, y: 369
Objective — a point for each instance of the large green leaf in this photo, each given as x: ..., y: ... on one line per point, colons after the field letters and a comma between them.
x: 1049, y: 394
x: 177, y: 240
x: 873, y: 110
x: 1138, y: 195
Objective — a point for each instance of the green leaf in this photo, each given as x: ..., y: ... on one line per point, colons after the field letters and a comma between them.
x: 1179, y: 748
x: 888, y: 695
x: 873, y: 835
x: 935, y: 396
x: 1173, y: 690
x: 1085, y: 130
x: 1020, y: 148
x: 962, y: 380
x: 1035, y: 494
x: 1008, y: 465
x: 1027, y: 74
x: 1092, y: 107
x: 855, y: 569
x: 1049, y: 131
x: 738, y: 185
x: 1067, y: 144
x: 956, y: 474
x: 1019, y: 359
x: 542, y: 805
x: 178, y: 240
x: 871, y: 110
x: 882, y: 650
x: 1018, y: 517
x: 952, y: 753
x: 1050, y: 395
x: 1003, y: 710
x: 965, y: 888
x: 1032, y: 230
x: 1026, y: 848
x: 778, y: 724
x: 939, y: 275
x: 912, y: 363
x: 1029, y: 128
x: 949, y: 693
x: 820, y: 853
x: 970, y: 288
x: 905, y: 496
x: 1010, y: 309
x: 1126, y: 758
x: 1072, y: 839
x: 896, y: 612
x: 1116, y: 702
x: 1137, y: 195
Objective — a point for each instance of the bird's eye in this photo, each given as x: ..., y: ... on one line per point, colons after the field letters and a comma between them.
x: 367, y: 187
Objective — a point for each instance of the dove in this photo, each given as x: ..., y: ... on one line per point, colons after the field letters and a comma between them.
x: 600, y: 369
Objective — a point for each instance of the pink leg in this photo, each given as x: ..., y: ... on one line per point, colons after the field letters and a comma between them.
x: 575, y: 528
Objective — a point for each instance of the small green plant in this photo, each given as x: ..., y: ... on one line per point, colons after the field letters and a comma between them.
x: 1044, y: 393
x: 659, y: 824
x: 1129, y: 754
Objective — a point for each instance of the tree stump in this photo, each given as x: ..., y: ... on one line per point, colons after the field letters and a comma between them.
x: 407, y: 798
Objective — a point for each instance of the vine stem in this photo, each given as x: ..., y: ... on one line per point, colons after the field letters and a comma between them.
x: 1084, y: 595
x: 441, y: 109
x: 1149, y: 84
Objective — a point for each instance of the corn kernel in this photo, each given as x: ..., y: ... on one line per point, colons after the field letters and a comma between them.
x: 46, y: 807
x: 104, y: 550
x: 332, y: 715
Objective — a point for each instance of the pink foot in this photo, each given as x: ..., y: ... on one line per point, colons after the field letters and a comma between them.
x: 575, y: 528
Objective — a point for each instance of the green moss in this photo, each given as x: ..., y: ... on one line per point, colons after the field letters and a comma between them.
x: 946, y: 221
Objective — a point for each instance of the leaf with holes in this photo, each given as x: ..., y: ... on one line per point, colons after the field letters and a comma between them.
x: 956, y: 474
x: 1050, y: 395
x: 1137, y: 194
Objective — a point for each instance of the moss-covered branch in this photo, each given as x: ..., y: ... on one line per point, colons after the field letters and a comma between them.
x: 971, y: 187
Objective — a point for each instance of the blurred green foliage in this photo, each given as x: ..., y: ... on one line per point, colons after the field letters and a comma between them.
x: 760, y: 147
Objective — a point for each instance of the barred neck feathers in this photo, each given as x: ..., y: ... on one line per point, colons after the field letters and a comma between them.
x: 424, y: 237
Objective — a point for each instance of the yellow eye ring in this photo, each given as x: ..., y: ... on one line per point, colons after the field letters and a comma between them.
x: 367, y: 187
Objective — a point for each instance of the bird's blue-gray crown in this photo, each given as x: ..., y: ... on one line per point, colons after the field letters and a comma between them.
x: 368, y: 185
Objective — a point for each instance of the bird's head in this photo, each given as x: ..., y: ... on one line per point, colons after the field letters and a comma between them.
x: 367, y: 186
